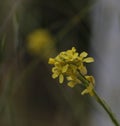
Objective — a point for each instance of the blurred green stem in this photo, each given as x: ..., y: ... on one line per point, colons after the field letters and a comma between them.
x: 101, y: 102
x: 106, y: 108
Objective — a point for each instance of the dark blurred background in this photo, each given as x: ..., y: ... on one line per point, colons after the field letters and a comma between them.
x: 31, y: 31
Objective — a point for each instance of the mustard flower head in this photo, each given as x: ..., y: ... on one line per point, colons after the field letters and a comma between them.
x: 70, y: 65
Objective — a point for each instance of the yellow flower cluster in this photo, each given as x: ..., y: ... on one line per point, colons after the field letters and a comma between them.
x: 70, y: 64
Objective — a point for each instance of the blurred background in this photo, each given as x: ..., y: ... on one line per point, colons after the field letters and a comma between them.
x: 31, y: 31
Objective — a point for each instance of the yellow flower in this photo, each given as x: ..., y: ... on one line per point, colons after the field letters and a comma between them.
x: 72, y: 81
x: 58, y: 70
x: 83, y: 59
x: 88, y: 59
x: 70, y: 64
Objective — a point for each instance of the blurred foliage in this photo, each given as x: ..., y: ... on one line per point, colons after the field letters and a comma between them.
x: 29, y: 96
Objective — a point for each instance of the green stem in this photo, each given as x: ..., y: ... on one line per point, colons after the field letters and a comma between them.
x: 106, y: 108
x: 100, y: 101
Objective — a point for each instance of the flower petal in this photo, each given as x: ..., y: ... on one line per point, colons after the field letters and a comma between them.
x: 54, y: 75
x: 69, y: 78
x: 83, y: 54
x: 71, y: 84
x: 88, y: 60
x: 51, y: 61
x: 73, y: 49
x: 61, y: 79
x: 64, y: 69
x: 90, y: 79
x: 83, y: 69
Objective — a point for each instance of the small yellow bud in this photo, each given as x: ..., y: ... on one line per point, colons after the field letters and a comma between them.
x: 83, y: 54
x: 88, y: 90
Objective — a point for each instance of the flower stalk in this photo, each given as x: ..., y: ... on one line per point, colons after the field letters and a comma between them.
x: 106, y: 108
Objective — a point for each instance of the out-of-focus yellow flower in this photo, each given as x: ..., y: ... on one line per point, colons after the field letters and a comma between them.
x: 41, y: 43
x: 70, y: 64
